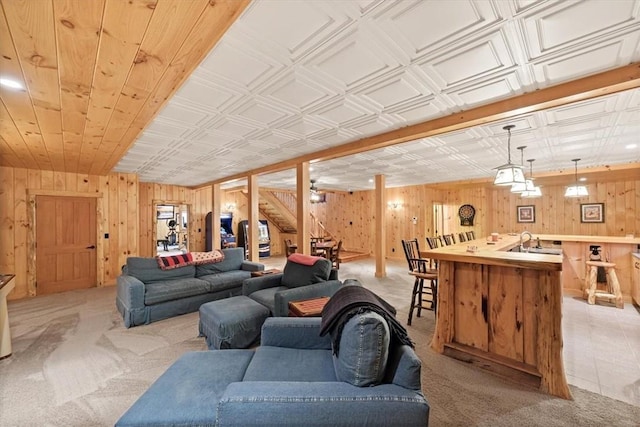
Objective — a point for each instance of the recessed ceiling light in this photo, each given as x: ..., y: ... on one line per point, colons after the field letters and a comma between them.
x: 631, y: 146
x: 370, y: 179
x: 582, y: 179
x: 10, y: 83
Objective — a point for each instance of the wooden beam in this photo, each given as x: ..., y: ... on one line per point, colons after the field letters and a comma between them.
x: 216, y: 198
x: 303, y: 200
x: 380, y: 225
x: 254, y: 218
x: 606, y: 83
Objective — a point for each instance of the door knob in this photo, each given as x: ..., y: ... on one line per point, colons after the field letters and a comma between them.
x: 91, y: 247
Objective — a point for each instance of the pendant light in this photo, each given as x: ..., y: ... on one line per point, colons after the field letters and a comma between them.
x: 521, y: 187
x: 530, y: 194
x: 576, y: 190
x: 509, y: 174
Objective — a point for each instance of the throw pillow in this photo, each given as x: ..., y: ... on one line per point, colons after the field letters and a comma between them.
x: 174, y: 261
x: 363, y: 350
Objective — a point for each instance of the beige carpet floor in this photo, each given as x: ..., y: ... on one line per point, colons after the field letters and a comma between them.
x: 74, y: 364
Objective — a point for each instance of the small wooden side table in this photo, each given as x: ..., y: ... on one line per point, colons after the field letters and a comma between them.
x: 307, y: 308
x: 265, y: 272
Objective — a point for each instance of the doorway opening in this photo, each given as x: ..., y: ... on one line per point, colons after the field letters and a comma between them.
x: 171, y: 226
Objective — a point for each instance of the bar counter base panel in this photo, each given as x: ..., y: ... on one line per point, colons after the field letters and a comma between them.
x: 501, y: 366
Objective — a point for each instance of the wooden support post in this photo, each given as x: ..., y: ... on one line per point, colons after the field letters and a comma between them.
x: 303, y: 200
x: 216, y: 199
x: 380, y: 249
x: 254, y: 219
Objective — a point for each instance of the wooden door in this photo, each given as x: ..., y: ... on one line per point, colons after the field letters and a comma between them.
x: 65, y: 243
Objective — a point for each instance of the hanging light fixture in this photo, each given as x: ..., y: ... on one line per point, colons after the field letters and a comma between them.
x: 316, y: 196
x: 527, y: 185
x: 576, y: 190
x: 509, y: 174
x: 535, y: 192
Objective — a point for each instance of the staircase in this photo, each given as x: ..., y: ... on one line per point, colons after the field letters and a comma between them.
x: 277, y: 212
x: 280, y: 207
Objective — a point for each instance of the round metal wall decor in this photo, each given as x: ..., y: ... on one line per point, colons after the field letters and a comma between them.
x: 466, y: 214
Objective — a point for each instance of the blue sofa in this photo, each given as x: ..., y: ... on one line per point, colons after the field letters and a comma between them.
x: 292, y: 379
x: 147, y: 293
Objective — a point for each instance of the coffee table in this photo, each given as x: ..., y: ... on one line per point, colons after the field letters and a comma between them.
x: 307, y: 308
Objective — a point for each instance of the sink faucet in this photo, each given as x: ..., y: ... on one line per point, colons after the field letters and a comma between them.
x: 524, y: 233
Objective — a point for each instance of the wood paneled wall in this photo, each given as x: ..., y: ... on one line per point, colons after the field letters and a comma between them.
x: 350, y: 216
x: 556, y: 214
x: 127, y: 207
x: 118, y: 203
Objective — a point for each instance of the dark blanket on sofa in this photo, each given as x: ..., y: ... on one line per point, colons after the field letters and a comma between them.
x: 351, y: 300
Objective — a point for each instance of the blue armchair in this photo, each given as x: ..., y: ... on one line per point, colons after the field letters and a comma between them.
x: 304, y: 277
x: 292, y: 379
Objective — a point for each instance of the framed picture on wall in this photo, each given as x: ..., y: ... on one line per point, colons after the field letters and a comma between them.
x: 592, y: 212
x: 527, y: 213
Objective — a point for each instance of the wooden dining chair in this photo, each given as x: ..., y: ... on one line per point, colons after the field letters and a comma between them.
x: 288, y: 247
x: 411, y: 249
x: 334, y: 255
x: 447, y: 239
x: 315, y: 251
x: 422, y: 297
x: 471, y: 235
x: 433, y: 242
x: 462, y: 237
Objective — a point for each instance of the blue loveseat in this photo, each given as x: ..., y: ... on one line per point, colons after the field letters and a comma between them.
x: 147, y: 293
x: 292, y: 379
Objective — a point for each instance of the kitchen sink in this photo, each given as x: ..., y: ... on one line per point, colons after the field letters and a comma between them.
x: 534, y: 250
x: 548, y: 251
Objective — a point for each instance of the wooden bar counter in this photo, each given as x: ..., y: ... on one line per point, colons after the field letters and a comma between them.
x: 502, y: 311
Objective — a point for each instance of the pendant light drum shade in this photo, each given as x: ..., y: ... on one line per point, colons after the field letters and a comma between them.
x: 521, y: 187
x: 533, y: 190
x: 576, y: 190
x: 536, y: 192
x: 509, y: 174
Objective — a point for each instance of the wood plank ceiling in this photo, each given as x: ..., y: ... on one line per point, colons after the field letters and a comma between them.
x: 95, y: 73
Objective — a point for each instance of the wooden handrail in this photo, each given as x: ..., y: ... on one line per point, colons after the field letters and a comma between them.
x: 315, y: 224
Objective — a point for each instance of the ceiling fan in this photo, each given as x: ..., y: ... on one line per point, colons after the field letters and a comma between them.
x: 317, y: 196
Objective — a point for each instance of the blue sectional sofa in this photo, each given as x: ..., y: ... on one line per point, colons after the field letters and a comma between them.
x: 147, y: 293
x: 292, y: 379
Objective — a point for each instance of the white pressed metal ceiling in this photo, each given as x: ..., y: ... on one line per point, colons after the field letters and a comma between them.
x: 295, y: 77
